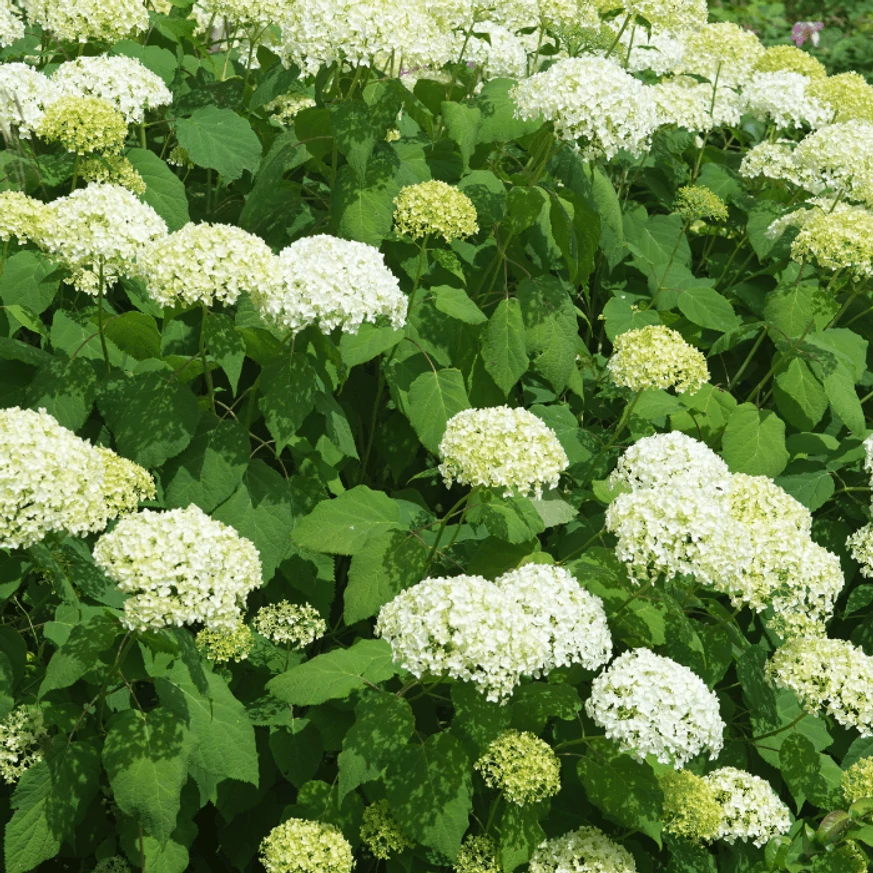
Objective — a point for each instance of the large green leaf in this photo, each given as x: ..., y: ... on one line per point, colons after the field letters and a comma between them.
x: 287, y: 396
x: 165, y: 191
x: 65, y: 389
x: 81, y: 653
x: 809, y: 773
x: 221, y: 140
x: 503, y: 345
x: 520, y: 833
x: 433, y: 398
x: 799, y: 395
x: 27, y: 280
x: 754, y: 442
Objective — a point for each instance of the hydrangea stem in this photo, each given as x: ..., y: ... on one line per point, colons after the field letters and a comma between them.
x: 206, y: 371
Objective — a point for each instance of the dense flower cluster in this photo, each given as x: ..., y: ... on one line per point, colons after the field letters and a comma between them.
x: 691, y: 809
x: 695, y: 202
x: 724, y: 53
x: 11, y: 25
x: 478, y: 854
x: 586, y: 850
x: 775, y: 160
x: 849, y: 96
x: 781, y: 96
x: 207, y: 264
x: 284, y: 108
x: 501, y: 447
x: 839, y: 157
x: 51, y: 480
x: 656, y: 357
x: 688, y: 103
x: 498, y: 53
x: 222, y: 644
x: 860, y: 544
x: 792, y: 59
x: 857, y: 781
x: 24, y: 92
x: 179, y: 567
x: 841, y: 239
x: 592, y: 100
x: 649, y: 704
x: 20, y: 216
x: 750, y: 808
x: 300, y: 846
x: 22, y: 735
x: 123, y: 82
x: 83, y: 125
x: 112, y: 170
x: 380, y: 832
x: 658, y: 51
x: 678, y: 16
x: 86, y: 20
x: 831, y: 676
x: 333, y: 283
x: 434, y: 208
x: 522, y: 766
x: 297, y: 624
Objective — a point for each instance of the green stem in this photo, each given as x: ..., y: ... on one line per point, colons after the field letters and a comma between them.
x: 619, y: 35
x: 622, y: 423
x: 206, y: 371
x: 776, y: 368
x: 75, y: 174
x: 442, y: 528
x: 100, y: 295
x: 755, y: 347
x: 493, y: 812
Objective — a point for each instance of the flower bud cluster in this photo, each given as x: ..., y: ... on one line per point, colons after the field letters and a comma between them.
x: 434, y: 209
x: 298, y: 625
x: 522, y: 766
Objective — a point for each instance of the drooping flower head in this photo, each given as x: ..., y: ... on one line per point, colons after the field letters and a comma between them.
x: 22, y: 736
x: 334, y: 283
x: 586, y: 850
x: 722, y: 51
x: 297, y: 624
x: 751, y: 810
x: 179, y: 567
x: 434, y: 209
x: 501, y: 447
x: 592, y: 100
x: 300, y: 846
x: 207, y: 264
x: 649, y: 704
x: 380, y: 832
x: 522, y: 766
x: 656, y: 356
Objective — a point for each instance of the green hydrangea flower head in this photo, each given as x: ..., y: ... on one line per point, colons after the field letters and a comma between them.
x: 695, y: 201
x: 857, y: 781
x: 478, y: 855
x: 691, y: 810
x: 84, y: 125
x: 380, y: 832
x: 522, y: 766
x: 434, y: 209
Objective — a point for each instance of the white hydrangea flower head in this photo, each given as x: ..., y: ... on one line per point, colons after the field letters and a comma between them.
x: 593, y: 100
x: 243, y: 13
x: 557, y: 14
x: 125, y: 484
x: 791, y: 58
x: 848, y: 95
x: 522, y: 766
x: 100, y: 225
x: 123, y: 82
x: 685, y: 102
x: 860, y: 544
x: 20, y: 216
x: 334, y: 283
x: 464, y: 628
x: 676, y: 16
x: 502, y: 55
x: 831, y: 676
x: 723, y: 50
x: 656, y: 356
x: 11, y: 25
x: 840, y: 156
x: 570, y: 619
x: 297, y: 624
x: 50, y: 480
x: 586, y: 850
x: 501, y: 447
x: 22, y: 735
x: 781, y: 96
x: 285, y: 107
x: 837, y: 239
x: 83, y: 125
x: 752, y: 810
x: 775, y: 160
x: 179, y: 567
x: 88, y: 20
x: 649, y: 704
x: 658, y: 51
x: 24, y: 93
x: 207, y: 264
x: 300, y: 846
x: 868, y: 456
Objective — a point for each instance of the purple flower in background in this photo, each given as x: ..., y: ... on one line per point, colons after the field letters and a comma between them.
x: 804, y: 30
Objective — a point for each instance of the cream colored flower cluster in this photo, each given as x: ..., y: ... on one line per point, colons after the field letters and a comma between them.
x: 179, y: 567
x: 22, y: 736
x: 11, y: 25
x: 781, y: 96
x: 24, y: 92
x: 380, y: 832
x: 20, y: 216
x: 831, y: 676
x: 656, y: 357
x: 857, y: 781
x: 334, y: 283
x: 722, y: 52
x: 222, y: 644
x: 112, y: 170
x: 244, y: 13
x: 658, y: 51
x: 125, y: 83
x: 860, y: 543
x: 522, y: 766
x: 478, y: 854
x: 498, y: 53
x: 688, y: 103
x: 751, y: 810
x: 300, y: 846
x: 51, y: 480
x: 493, y: 633
x: 775, y: 160
x: 849, y: 96
x: 840, y: 157
x: 677, y: 16
x: 88, y: 20
x: 83, y: 125
x: 651, y: 705
x: 501, y: 447
x: 791, y: 59
x: 434, y: 209
x: 691, y: 809
x: 586, y: 850
x: 697, y: 202
x: 296, y: 624
x: 207, y: 264
x: 836, y: 239
x: 284, y: 108
x: 591, y: 100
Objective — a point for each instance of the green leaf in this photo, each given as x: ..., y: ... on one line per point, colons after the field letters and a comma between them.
x: 386, y: 565
x: 503, y: 345
x: 152, y: 417
x: 369, y: 341
x: 791, y: 307
x: 27, y: 280
x: 799, y: 396
x: 363, y: 209
x: 809, y: 483
x: 523, y: 208
x: 620, y: 316
x: 354, y: 133
x: 65, y: 389
x: 520, y: 833
x: 754, y: 442
x: 146, y: 759
x: 809, y: 773
x: 550, y: 328
x: 287, y: 396
x: 609, y: 210
x: 335, y: 674
x: 297, y: 750
x: 225, y: 346
x: 533, y: 705
x: 499, y: 122
x: 383, y: 725
x: 704, y: 306
x: 136, y: 334
x: 430, y: 792
x: 210, y: 469
x: 343, y: 526
x: 165, y: 191
x: 477, y: 721
x: 434, y: 397
x: 221, y: 140
x: 455, y: 303
x: 225, y: 739
x: 625, y: 791
x: 51, y: 799
x: 462, y: 125
x: 81, y: 653
x: 513, y: 519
